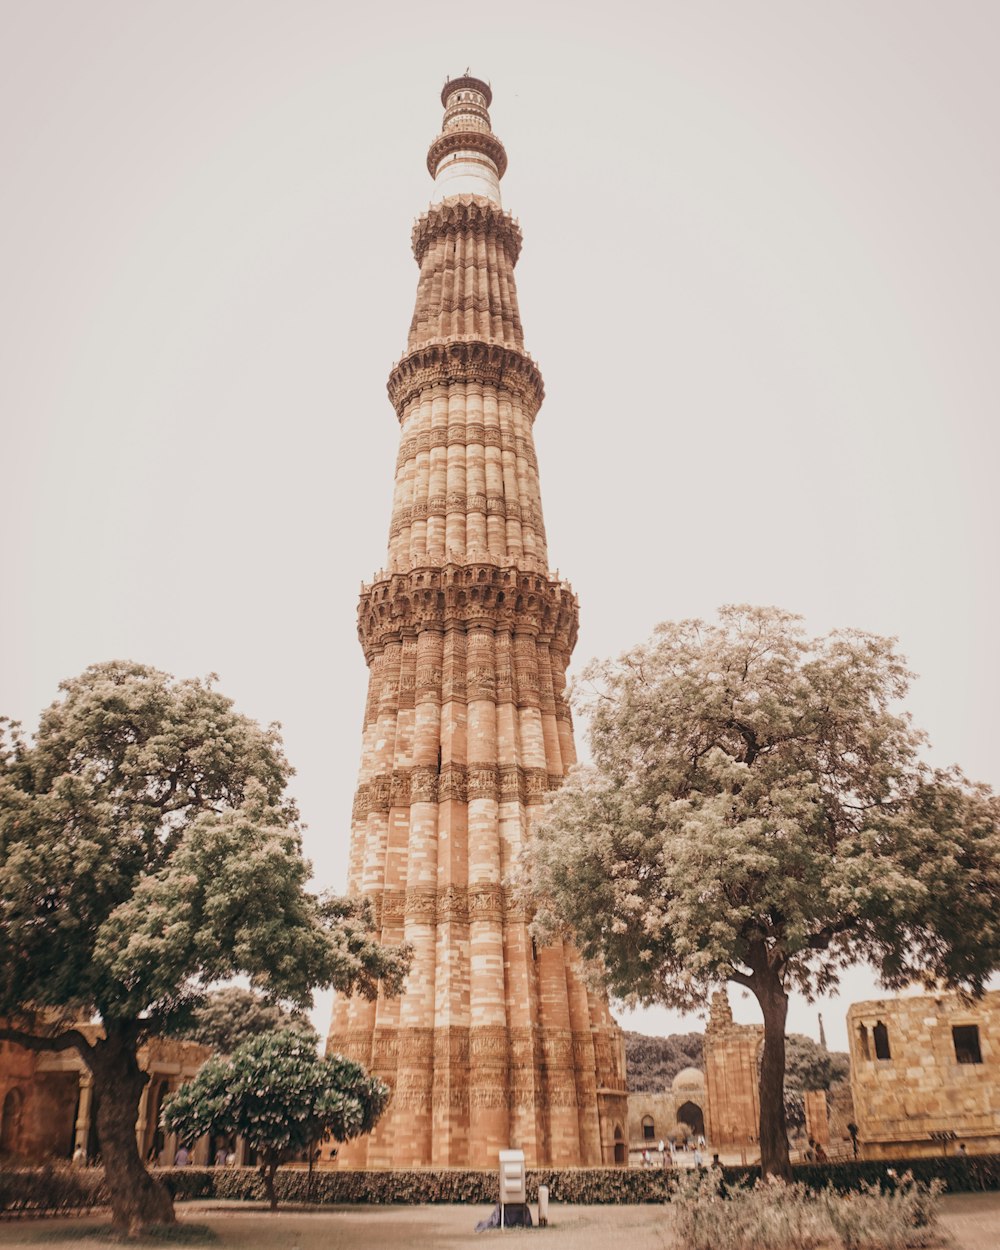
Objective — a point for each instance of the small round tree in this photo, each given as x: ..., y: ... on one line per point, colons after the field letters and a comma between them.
x: 280, y: 1097
x: 756, y: 812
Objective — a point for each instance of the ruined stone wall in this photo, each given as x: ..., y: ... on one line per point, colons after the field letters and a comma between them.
x: 919, y: 1086
x: 733, y: 1094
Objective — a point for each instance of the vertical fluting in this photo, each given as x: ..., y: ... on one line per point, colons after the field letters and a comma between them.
x: 467, y: 635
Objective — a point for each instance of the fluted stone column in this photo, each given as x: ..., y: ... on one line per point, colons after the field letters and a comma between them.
x: 467, y: 636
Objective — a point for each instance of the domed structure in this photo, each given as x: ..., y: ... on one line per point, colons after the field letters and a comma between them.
x: 688, y: 1079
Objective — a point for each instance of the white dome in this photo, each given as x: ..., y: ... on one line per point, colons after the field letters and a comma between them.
x: 688, y: 1078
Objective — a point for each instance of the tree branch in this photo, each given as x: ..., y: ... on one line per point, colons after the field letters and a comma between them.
x: 821, y: 940
x: 749, y: 736
x: 72, y: 1039
x: 741, y: 978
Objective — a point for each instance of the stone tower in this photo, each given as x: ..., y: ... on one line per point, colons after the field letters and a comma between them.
x: 467, y: 636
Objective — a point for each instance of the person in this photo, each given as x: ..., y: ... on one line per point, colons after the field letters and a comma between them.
x: 231, y: 1159
x: 661, y: 1145
x: 220, y: 1157
x: 645, y: 1157
x: 182, y: 1158
x: 697, y: 1157
x: 962, y: 1150
x: 716, y: 1162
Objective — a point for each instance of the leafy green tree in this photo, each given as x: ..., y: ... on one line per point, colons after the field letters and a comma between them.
x: 277, y: 1094
x: 756, y: 812
x: 147, y: 850
x: 232, y: 1015
x: 811, y: 1066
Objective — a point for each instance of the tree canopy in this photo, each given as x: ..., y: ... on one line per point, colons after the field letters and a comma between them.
x: 232, y: 1015
x: 757, y: 812
x: 147, y: 850
x: 811, y: 1066
x: 277, y: 1094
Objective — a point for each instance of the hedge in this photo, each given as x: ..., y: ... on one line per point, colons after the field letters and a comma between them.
x: 578, y: 1185
x: 57, y: 1189
x: 30, y: 1191
x: 581, y: 1185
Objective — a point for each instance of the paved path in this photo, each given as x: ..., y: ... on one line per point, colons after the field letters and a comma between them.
x: 973, y: 1220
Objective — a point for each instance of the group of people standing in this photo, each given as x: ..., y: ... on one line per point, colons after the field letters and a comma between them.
x: 667, y: 1151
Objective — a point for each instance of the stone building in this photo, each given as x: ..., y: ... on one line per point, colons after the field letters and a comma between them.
x: 467, y: 636
x: 925, y: 1074
x: 653, y: 1117
x: 47, y: 1108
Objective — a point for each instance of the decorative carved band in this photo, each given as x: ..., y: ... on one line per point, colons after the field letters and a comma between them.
x: 503, y: 783
x: 484, y: 141
x: 472, y: 213
x: 451, y: 904
x: 471, y: 435
x: 464, y: 596
x: 463, y: 505
x: 465, y: 360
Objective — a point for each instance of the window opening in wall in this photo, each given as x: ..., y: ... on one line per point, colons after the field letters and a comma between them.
x: 881, y: 1035
x: 966, y: 1041
x: 648, y: 1128
x: 534, y: 949
x: 863, y: 1039
x: 439, y: 761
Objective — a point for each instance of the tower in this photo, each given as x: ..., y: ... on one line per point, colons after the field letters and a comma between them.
x: 467, y: 636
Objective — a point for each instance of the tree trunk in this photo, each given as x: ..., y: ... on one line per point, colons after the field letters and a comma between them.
x: 267, y: 1172
x: 774, y: 1160
x: 137, y: 1200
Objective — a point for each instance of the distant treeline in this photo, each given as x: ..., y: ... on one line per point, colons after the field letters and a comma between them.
x: 653, y: 1062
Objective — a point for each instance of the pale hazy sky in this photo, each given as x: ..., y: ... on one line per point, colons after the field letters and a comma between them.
x: 760, y: 274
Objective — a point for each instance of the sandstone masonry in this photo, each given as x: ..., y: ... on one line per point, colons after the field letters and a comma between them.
x: 467, y: 636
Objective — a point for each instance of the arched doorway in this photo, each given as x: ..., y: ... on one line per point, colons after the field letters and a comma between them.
x: 648, y: 1128
x: 691, y: 1114
x: 620, y: 1155
x: 10, y: 1122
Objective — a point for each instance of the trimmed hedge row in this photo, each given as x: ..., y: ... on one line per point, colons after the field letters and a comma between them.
x: 960, y: 1175
x: 26, y: 1191
x: 578, y: 1185
x: 56, y: 1189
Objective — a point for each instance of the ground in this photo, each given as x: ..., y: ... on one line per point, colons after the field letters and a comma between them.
x: 973, y: 1220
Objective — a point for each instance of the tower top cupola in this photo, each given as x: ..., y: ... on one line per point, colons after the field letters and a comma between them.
x: 466, y: 158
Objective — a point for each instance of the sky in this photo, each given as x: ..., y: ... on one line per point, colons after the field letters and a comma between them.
x: 761, y: 276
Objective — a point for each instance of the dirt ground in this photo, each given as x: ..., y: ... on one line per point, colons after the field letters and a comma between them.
x: 972, y: 1220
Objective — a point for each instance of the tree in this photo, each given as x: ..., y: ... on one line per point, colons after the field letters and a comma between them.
x: 233, y: 1015
x: 275, y: 1092
x: 147, y: 849
x: 653, y: 1062
x: 811, y: 1066
x: 756, y: 812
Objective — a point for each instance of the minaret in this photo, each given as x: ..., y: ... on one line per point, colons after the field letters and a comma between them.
x: 467, y: 635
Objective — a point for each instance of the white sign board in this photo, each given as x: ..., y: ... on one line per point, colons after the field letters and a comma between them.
x: 513, y: 1177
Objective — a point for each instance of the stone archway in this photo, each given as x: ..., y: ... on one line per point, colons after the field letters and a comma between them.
x: 691, y: 1114
x: 10, y: 1122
